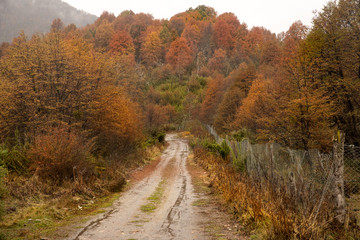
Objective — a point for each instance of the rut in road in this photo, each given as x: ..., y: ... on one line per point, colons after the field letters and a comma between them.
x: 174, y: 216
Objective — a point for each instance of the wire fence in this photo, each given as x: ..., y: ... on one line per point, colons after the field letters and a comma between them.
x: 314, y: 181
x: 352, y: 179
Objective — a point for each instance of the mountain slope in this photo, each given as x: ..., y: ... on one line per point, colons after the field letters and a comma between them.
x: 36, y: 16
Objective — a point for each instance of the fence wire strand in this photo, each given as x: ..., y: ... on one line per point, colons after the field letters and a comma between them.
x: 306, y: 176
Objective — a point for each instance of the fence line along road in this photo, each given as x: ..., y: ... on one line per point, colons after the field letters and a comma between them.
x: 310, y: 178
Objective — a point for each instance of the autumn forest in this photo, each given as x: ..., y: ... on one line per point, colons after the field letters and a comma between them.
x: 85, y: 101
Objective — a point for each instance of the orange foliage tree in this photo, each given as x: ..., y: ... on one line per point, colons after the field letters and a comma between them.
x: 177, y: 23
x: 241, y: 80
x: 56, y: 88
x: 192, y: 34
x: 219, y: 62
x: 259, y: 110
x: 255, y: 42
x: 102, y: 37
x: 332, y: 47
x: 139, y: 25
x: 156, y: 116
x: 213, y: 97
x: 121, y: 43
x: 152, y: 50
x: 115, y: 121
x: 59, y: 90
x: 179, y: 56
x: 287, y: 110
x: 226, y: 31
x: 105, y: 18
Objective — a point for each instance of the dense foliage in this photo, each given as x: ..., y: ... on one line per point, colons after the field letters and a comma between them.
x: 123, y: 76
x: 74, y: 98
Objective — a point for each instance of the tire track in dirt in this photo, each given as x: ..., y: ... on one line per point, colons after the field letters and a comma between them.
x: 174, y: 218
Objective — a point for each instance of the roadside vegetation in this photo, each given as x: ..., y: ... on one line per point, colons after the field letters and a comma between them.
x: 80, y: 107
x: 261, y: 211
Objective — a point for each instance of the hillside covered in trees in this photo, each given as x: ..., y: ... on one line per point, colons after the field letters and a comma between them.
x: 35, y: 16
x: 87, y: 98
x: 294, y: 88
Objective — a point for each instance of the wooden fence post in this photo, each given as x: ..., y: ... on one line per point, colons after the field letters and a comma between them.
x: 338, y: 173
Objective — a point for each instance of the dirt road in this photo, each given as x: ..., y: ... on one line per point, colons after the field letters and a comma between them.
x: 160, y: 206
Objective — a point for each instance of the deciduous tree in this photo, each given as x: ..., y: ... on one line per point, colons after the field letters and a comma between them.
x: 241, y: 80
x: 115, y: 121
x: 179, y: 56
x: 121, y: 43
x: 213, y: 96
x: 220, y: 62
x: 152, y: 50
x: 226, y: 31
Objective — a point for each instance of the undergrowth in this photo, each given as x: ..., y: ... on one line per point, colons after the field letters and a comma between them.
x: 2, y: 191
x: 37, y: 203
x: 267, y: 214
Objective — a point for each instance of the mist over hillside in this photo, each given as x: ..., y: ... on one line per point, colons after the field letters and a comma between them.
x: 36, y: 16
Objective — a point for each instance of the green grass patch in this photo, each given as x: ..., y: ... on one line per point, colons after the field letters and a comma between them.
x: 200, y: 202
x: 155, y: 199
x: 141, y: 221
x: 219, y: 234
x: 43, y: 218
x: 150, y: 207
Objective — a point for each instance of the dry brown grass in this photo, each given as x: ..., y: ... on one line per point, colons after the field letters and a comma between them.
x: 268, y: 214
x: 36, y: 205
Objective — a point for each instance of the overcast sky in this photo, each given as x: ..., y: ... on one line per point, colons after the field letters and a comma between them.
x: 275, y: 15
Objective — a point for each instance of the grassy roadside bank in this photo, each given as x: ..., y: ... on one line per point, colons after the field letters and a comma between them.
x: 35, y: 209
x: 263, y: 214
x: 220, y: 223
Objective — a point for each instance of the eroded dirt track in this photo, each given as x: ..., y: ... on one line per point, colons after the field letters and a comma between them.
x: 174, y: 216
